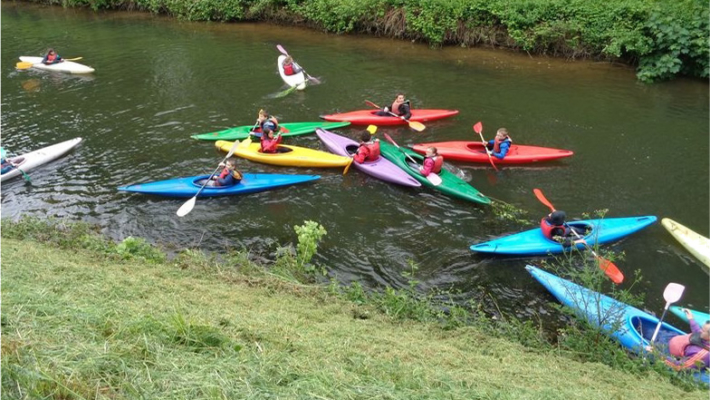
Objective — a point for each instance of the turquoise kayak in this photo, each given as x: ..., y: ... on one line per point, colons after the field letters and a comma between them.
x: 532, y: 242
x: 451, y: 185
x: 699, y: 316
x: 628, y: 325
x: 287, y: 129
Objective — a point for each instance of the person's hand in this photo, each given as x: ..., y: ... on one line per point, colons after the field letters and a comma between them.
x: 222, y: 164
x: 688, y: 314
x: 386, y: 109
x: 648, y: 349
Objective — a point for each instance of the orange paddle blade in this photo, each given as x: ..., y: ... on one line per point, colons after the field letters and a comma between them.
x: 611, y: 270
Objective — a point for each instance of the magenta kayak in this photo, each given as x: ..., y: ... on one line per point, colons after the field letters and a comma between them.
x: 368, y: 117
x: 381, y: 168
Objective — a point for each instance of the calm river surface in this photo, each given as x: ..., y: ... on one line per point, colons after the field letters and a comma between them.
x: 640, y: 149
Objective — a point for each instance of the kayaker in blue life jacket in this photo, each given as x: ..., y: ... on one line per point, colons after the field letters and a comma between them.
x: 229, y: 176
x: 52, y: 57
x: 399, y: 107
x: 553, y: 227
x: 499, y: 146
x: 290, y: 67
x: 264, y: 120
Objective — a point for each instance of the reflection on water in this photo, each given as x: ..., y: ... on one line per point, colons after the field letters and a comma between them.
x: 171, y: 79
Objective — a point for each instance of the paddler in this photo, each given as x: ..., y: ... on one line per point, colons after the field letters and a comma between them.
x: 499, y: 146
x: 52, y: 58
x: 400, y: 108
x: 432, y: 162
x: 553, y: 227
x: 690, y: 351
x: 369, y: 149
x: 290, y: 67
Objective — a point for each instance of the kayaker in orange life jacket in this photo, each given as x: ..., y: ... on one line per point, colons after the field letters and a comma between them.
x: 369, y: 149
x: 290, y: 67
x: 399, y: 107
x: 269, y: 144
x: 432, y: 162
x: 229, y: 176
x: 499, y: 146
x: 553, y: 227
x: 692, y: 350
x: 51, y: 58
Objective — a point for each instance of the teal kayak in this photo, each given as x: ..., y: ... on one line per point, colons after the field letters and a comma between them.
x: 451, y: 185
x: 287, y: 129
x: 699, y: 316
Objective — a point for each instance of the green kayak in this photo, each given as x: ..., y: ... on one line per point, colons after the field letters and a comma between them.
x: 287, y: 129
x: 451, y: 184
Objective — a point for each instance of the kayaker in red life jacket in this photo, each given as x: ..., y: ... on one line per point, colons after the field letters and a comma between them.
x: 51, y: 58
x: 369, y: 149
x: 229, y: 176
x: 400, y: 107
x: 690, y: 351
x: 432, y: 162
x: 553, y: 227
x: 290, y: 67
x: 269, y: 144
x: 499, y: 146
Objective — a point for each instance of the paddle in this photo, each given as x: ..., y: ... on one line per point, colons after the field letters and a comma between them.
x: 609, y: 268
x: 478, y: 128
x: 27, y: 64
x: 433, y: 178
x: 417, y: 126
x: 671, y: 294
x: 285, y: 92
x: 190, y: 204
x: 310, y: 78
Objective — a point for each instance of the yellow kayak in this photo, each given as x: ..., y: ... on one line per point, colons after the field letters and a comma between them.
x: 696, y: 244
x: 292, y: 156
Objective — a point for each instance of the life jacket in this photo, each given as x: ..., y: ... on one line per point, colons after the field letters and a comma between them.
x: 438, y: 163
x: 268, y: 123
x: 374, y: 149
x: 288, y: 69
x: 547, y: 228
x: 677, y: 344
x: 497, y: 143
x: 51, y: 58
x: 395, y: 107
x: 235, y: 174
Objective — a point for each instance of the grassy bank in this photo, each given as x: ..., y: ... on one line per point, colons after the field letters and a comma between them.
x: 121, y: 321
x: 662, y: 38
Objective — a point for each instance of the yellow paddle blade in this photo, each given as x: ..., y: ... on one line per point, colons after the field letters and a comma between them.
x: 23, y: 65
x: 245, y: 143
x: 372, y: 129
x: 73, y: 59
x: 417, y: 126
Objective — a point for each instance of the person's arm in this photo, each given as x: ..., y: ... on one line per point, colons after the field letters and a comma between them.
x: 504, y: 147
x: 44, y: 59
x: 427, y: 167
x: 362, y: 153
x: 296, y: 68
x: 404, y: 110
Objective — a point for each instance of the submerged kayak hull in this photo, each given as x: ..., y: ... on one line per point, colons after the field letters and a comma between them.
x: 66, y: 66
x: 628, y: 325
x: 287, y: 129
x: 29, y: 161
x: 381, y: 168
x: 189, y: 186
x: 290, y: 156
x: 469, y: 151
x: 368, y: 117
x: 532, y: 242
x: 299, y: 80
x: 696, y: 244
x: 451, y: 185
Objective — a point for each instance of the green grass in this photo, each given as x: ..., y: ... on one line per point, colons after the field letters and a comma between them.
x: 80, y: 326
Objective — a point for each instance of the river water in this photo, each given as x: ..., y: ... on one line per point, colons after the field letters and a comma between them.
x: 639, y: 149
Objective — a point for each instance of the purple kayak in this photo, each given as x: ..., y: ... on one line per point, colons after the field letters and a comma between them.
x: 380, y: 168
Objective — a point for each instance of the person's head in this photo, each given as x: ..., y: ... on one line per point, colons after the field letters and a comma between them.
x: 432, y: 152
x: 364, y: 136
x: 231, y: 163
x: 288, y: 60
x: 400, y: 98
x: 268, y: 133
x: 557, y: 218
x: 502, y: 133
x: 263, y: 114
x: 50, y: 51
x: 705, y: 332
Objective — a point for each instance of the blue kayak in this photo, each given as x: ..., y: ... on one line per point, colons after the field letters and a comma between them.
x: 532, y: 242
x: 188, y: 187
x: 699, y: 316
x: 628, y: 325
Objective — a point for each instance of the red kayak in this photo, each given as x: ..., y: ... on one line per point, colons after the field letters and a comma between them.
x: 368, y: 117
x: 474, y: 152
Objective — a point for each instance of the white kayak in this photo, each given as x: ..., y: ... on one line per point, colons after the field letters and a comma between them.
x: 36, y: 158
x: 66, y: 66
x: 696, y: 244
x: 298, y: 80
